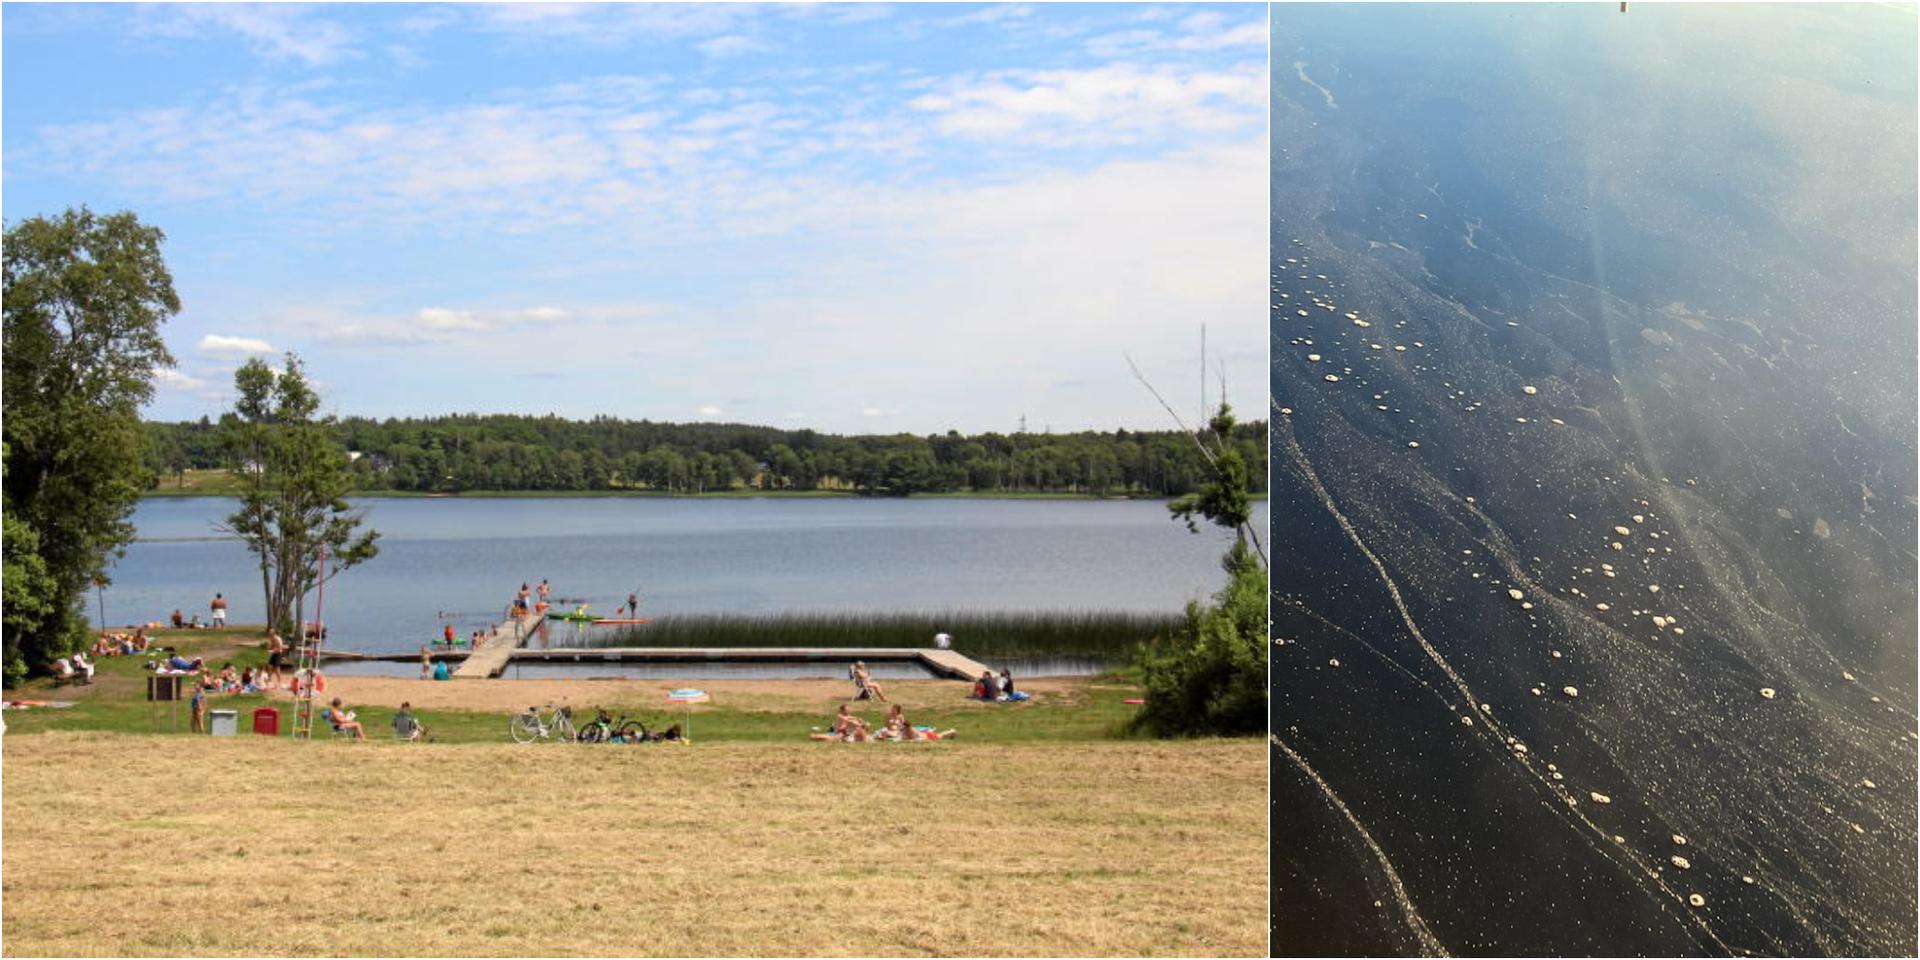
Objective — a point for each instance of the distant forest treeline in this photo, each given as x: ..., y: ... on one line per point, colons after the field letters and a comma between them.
x: 520, y: 453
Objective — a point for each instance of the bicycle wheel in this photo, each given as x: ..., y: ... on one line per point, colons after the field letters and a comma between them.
x: 562, y: 729
x: 592, y: 733
x: 524, y: 728
x: 632, y: 731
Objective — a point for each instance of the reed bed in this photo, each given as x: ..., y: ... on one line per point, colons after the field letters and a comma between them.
x: 1073, y: 633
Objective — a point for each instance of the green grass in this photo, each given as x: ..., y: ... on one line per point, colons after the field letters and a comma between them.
x: 1098, y: 715
x: 1084, y: 710
x: 1038, y: 634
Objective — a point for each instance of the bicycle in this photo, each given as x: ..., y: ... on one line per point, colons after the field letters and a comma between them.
x: 528, y: 727
x: 605, y: 729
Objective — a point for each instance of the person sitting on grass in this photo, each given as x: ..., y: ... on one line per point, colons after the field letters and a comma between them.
x: 1007, y: 692
x: 846, y: 728
x: 344, y: 721
x: 896, y: 727
x: 983, y: 688
x: 863, y: 682
x: 405, y: 726
x: 179, y: 620
x: 75, y: 671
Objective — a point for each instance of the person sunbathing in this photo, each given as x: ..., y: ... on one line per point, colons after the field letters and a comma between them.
x: 896, y: 727
x: 863, y: 680
x: 846, y: 728
x: 344, y: 720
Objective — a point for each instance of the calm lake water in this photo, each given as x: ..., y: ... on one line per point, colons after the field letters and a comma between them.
x: 461, y: 560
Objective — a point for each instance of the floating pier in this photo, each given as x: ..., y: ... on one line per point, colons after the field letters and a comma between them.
x: 941, y: 663
x: 499, y: 646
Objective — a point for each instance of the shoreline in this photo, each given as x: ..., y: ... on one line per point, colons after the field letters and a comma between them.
x: 164, y: 494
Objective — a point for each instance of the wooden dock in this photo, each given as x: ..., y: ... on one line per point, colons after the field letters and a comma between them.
x: 941, y: 663
x: 498, y: 648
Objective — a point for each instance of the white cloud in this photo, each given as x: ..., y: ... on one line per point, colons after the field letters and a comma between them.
x: 276, y: 31
x: 631, y: 150
x: 217, y: 344
x: 731, y: 45
x: 169, y: 379
x: 440, y: 318
x: 709, y: 411
x: 612, y: 24
x: 1115, y: 103
x: 440, y: 325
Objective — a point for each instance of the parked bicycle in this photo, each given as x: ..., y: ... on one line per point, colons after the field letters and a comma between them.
x: 605, y: 729
x: 530, y: 726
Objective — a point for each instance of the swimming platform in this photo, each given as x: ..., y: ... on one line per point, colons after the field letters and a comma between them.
x: 506, y: 644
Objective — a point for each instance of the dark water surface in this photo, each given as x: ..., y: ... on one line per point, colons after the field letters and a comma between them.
x: 1690, y: 233
x: 466, y: 557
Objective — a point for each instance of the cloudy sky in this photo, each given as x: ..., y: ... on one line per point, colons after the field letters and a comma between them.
x: 857, y: 218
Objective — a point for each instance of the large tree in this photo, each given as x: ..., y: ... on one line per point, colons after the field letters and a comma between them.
x: 1210, y: 677
x: 85, y: 296
x: 294, y: 480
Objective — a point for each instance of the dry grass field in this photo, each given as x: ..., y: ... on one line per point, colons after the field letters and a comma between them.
x: 123, y: 844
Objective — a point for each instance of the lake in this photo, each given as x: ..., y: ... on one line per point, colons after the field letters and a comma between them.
x: 460, y: 560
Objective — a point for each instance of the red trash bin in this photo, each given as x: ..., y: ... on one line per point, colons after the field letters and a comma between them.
x: 266, y: 722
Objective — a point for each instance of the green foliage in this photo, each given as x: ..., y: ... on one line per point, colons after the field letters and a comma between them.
x: 1210, y: 678
x: 294, y: 480
x: 31, y: 593
x: 1223, y: 498
x: 84, y: 299
x: 520, y: 453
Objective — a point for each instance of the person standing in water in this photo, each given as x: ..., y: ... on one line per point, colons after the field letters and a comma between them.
x: 633, y: 604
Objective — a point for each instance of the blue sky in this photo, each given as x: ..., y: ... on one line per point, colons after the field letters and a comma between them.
x: 857, y: 218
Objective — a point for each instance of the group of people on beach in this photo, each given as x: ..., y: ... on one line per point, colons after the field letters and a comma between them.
x: 848, y: 728
x: 216, y: 608
x: 121, y: 644
x: 995, y: 687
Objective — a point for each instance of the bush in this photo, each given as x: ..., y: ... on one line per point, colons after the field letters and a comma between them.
x: 1210, y: 677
